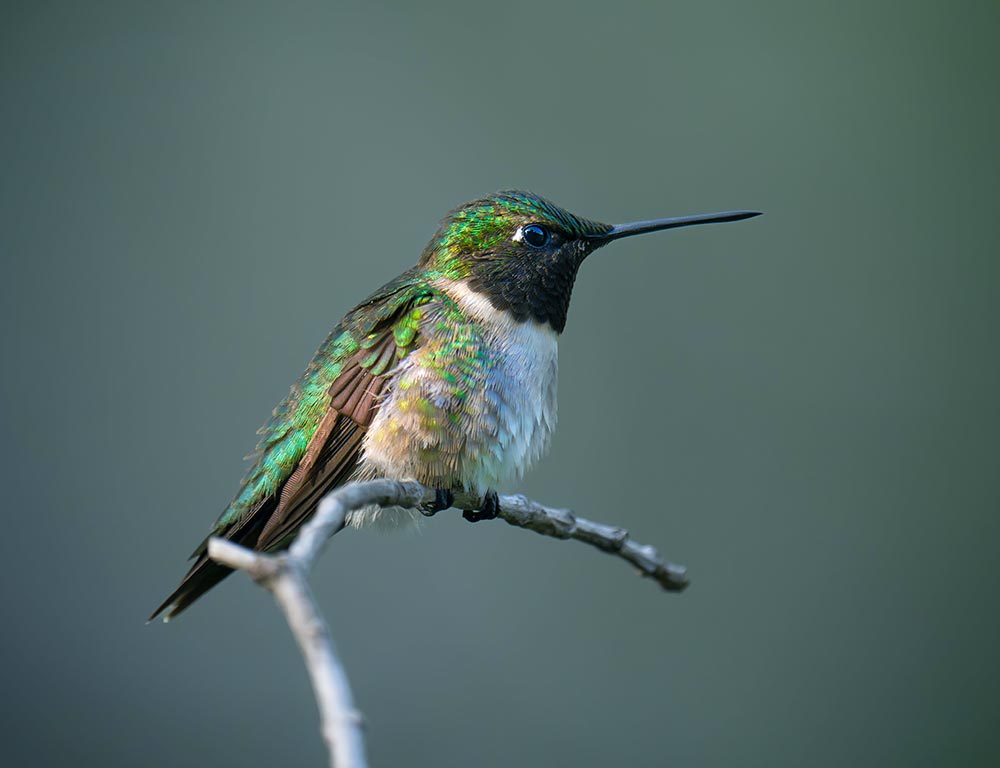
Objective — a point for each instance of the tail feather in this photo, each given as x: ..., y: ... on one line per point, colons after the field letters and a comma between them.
x: 206, y: 573
x: 330, y: 460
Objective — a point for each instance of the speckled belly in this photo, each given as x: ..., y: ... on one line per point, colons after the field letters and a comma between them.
x: 473, y: 406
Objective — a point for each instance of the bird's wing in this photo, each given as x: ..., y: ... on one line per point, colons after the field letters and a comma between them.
x: 313, y: 441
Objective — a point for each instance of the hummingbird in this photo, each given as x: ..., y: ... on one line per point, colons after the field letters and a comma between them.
x: 445, y: 375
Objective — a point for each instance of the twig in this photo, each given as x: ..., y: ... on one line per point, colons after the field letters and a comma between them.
x: 563, y: 524
x: 284, y: 575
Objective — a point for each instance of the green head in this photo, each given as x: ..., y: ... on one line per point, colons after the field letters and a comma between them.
x: 522, y: 252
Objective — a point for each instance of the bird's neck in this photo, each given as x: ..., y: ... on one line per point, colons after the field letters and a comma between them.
x: 538, y: 292
x: 492, y: 314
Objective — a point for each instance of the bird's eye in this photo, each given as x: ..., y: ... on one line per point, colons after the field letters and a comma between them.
x: 535, y: 236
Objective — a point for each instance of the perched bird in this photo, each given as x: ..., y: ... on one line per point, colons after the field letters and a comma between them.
x: 445, y: 375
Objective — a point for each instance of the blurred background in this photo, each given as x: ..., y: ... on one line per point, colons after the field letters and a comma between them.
x: 800, y: 408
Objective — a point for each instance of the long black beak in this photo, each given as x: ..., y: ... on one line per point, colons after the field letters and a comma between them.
x: 655, y: 225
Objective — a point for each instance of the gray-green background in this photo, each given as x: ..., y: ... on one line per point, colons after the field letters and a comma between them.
x: 801, y: 408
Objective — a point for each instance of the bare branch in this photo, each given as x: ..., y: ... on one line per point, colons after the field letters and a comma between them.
x: 563, y: 524
x: 340, y: 722
x: 284, y: 575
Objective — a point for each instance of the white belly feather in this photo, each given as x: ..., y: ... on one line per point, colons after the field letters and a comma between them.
x: 488, y: 437
x: 525, y: 371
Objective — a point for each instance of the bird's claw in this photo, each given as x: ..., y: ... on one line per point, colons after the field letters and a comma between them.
x: 489, y: 510
x: 443, y: 499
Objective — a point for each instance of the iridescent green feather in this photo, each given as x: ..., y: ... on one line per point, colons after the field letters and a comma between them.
x: 481, y: 225
x: 394, y: 309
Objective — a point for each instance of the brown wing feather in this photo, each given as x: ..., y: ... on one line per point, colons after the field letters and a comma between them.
x: 304, y: 468
x: 334, y: 450
x: 331, y: 459
x: 336, y: 459
x: 355, y: 392
x: 333, y: 455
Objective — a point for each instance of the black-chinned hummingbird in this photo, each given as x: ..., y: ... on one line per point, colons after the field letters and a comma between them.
x: 445, y: 375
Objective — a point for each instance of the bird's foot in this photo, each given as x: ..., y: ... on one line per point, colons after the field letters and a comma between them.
x: 489, y: 510
x: 443, y: 499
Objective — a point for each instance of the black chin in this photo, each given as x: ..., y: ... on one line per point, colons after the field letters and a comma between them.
x: 532, y: 289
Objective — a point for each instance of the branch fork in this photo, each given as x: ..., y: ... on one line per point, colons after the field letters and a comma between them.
x: 284, y: 574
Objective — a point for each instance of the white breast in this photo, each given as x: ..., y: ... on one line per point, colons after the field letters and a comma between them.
x: 524, y: 377
x: 491, y: 434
